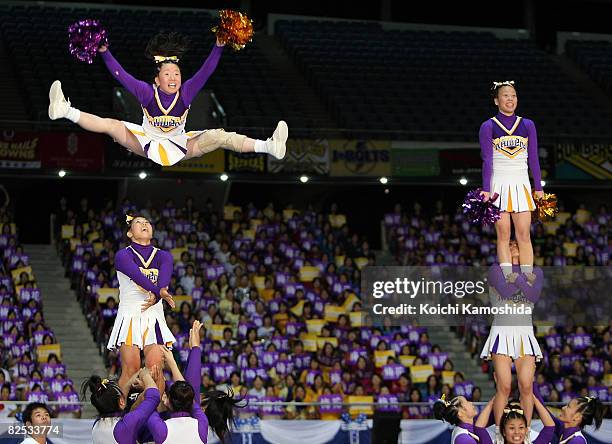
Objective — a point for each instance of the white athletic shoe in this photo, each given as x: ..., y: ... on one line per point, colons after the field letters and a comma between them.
x: 277, y: 144
x: 58, y: 105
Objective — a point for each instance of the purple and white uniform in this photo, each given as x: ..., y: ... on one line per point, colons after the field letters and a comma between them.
x: 464, y: 434
x: 140, y: 270
x: 124, y: 430
x: 183, y: 427
x: 511, y: 333
x: 509, y: 148
x: 544, y: 437
x: 162, y: 133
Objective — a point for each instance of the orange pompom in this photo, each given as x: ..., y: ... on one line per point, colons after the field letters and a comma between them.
x: 235, y: 29
x: 546, y: 208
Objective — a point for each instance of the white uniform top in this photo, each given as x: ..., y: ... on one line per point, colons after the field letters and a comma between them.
x: 458, y: 431
x: 30, y: 440
x: 102, y: 432
x: 165, y: 126
x: 510, y: 150
x: 577, y: 434
x: 183, y: 430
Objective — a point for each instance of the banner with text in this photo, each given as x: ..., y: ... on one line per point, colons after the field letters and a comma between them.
x: 360, y: 158
x: 410, y: 162
x: 303, y: 156
x: 583, y: 161
x: 72, y: 151
x: 245, y: 162
x: 19, y: 149
x: 209, y: 163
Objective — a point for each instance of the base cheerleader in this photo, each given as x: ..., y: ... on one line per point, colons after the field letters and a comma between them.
x: 514, y: 426
x: 460, y: 413
x: 577, y: 414
x: 165, y: 105
x: 509, y: 148
x: 511, y: 337
x: 144, y: 274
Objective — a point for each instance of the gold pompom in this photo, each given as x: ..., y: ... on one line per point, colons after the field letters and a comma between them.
x: 546, y: 207
x: 235, y: 29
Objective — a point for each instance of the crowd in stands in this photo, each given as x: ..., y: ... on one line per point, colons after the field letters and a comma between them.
x: 30, y: 357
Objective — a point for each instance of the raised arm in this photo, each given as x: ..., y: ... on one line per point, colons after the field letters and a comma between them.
x: 193, y: 86
x: 157, y: 427
x: 133, y: 421
x: 140, y: 89
x: 486, y: 152
x: 531, y: 291
x: 559, y: 426
x: 498, y: 281
x: 194, y: 361
x: 546, y: 434
x: 532, y: 153
x: 126, y: 265
x: 484, y: 416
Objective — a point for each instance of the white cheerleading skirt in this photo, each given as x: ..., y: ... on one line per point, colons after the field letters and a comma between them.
x: 141, y: 329
x: 163, y: 149
x: 513, y: 341
x: 514, y: 191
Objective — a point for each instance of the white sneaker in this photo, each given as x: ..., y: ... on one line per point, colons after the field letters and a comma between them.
x: 58, y: 105
x: 277, y: 144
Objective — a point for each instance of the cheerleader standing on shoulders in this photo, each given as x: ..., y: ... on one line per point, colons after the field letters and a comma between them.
x: 165, y: 105
x: 511, y: 337
x: 144, y: 274
x: 509, y: 148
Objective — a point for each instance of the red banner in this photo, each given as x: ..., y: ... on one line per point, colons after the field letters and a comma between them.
x: 72, y: 151
x: 19, y: 149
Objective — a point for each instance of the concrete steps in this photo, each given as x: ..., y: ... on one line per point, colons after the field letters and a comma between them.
x: 63, y: 314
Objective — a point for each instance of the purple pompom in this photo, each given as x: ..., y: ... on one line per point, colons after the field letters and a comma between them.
x: 478, y: 211
x: 84, y: 39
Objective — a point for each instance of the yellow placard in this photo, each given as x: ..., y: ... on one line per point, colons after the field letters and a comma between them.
x: 93, y: 236
x: 308, y: 273
x: 67, y: 231
x: 43, y: 352
x: 255, y: 223
x: 351, y: 300
x: 607, y: 379
x: 13, y: 228
x: 448, y: 377
x: 216, y: 330
x: 298, y: 308
x: 551, y: 227
x: 229, y: 210
x: 107, y: 292
x: 310, y: 341
x: 332, y: 312
x: 178, y: 300
x: 356, y: 318
x: 248, y: 234
x: 98, y: 247
x: 322, y: 340
x: 569, y: 249
x: 355, y: 410
x: 582, y: 216
x: 420, y: 373
x: 562, y: 216
x: 361, y: 262
x: 288, y: 213
x: 381, y: 356
x: 407, y: 360
x: 176, y: 253
x: 17, y: 272
x: 337, y: 220
x: 315, y: 325
x: 339, y: 260
x: 74, y: 242
x: 542, y: 327
x: 259, y: 282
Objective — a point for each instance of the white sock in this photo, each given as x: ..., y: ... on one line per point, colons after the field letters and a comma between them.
x: 526, y: 269
x: 260, y: 146
x: 506, y: 268
x: 73, y: 114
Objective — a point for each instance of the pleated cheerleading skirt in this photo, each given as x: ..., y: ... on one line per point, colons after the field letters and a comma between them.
x: 514, y: 192
x: 513, y: 341
x: 163, y: 150
x: 141, y: 329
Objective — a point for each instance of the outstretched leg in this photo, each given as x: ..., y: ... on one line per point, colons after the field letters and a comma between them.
x: 59, y: 108
x: 210, y: 140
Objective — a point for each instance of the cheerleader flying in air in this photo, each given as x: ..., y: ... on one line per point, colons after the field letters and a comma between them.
x: 509, y: 148
x: 511, y: 337
x: 144, y: 274
x: 165, y: 105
